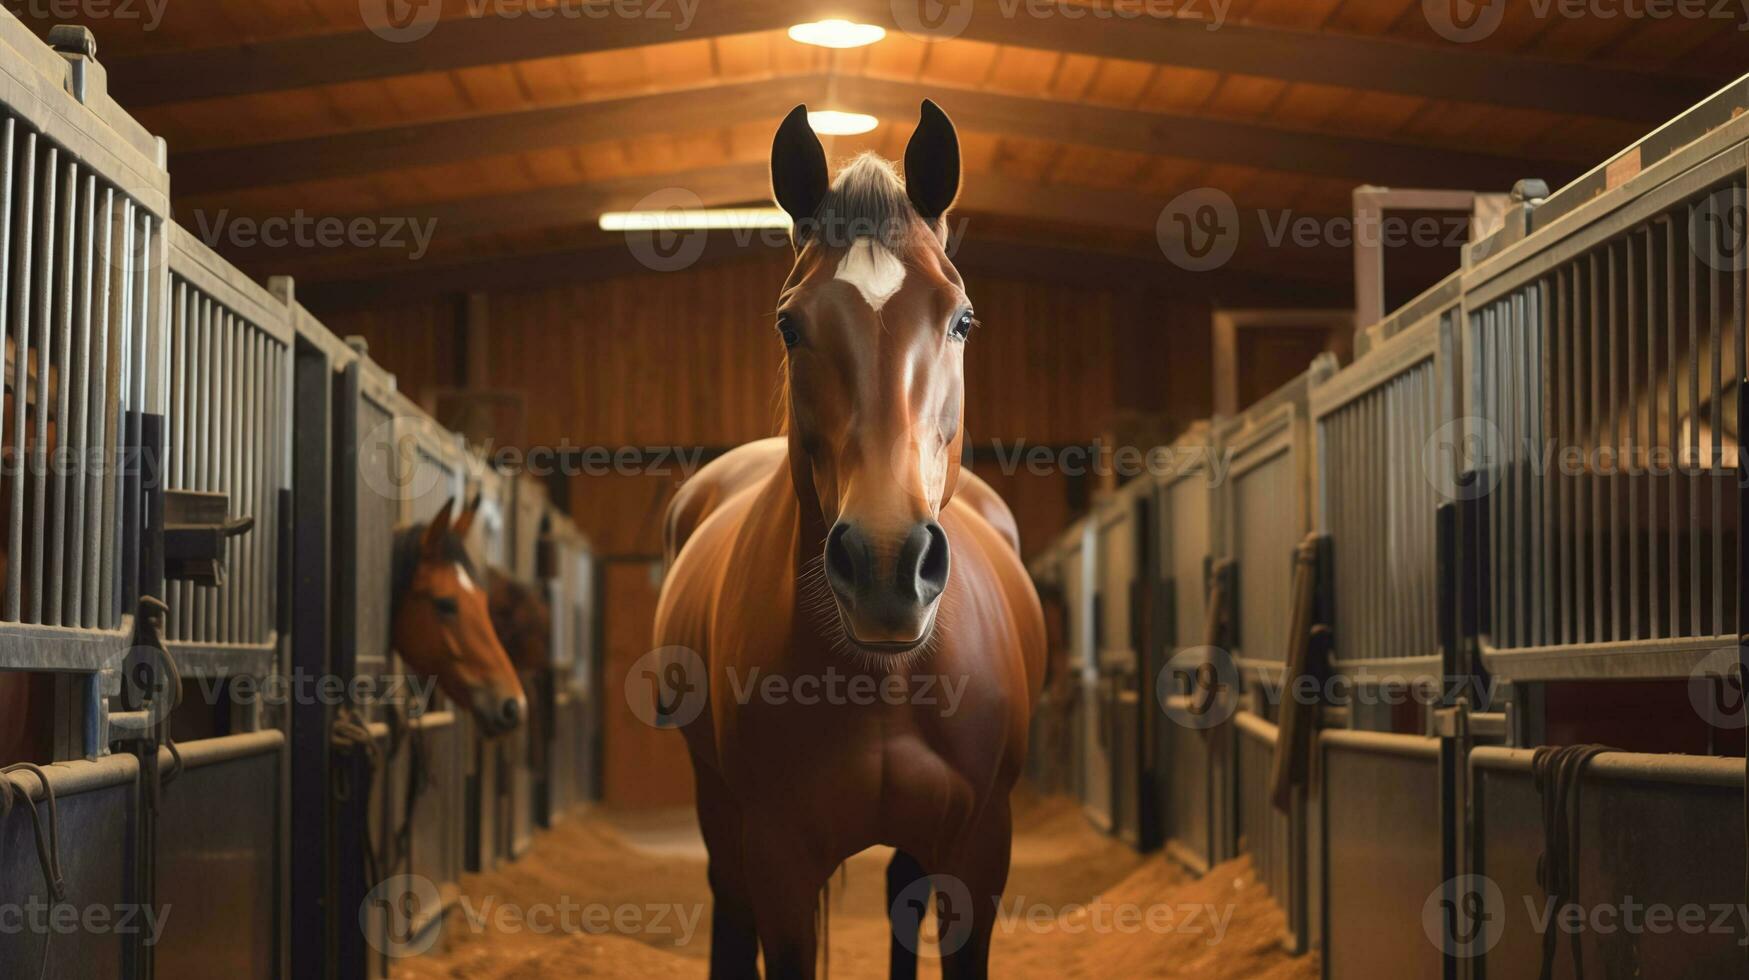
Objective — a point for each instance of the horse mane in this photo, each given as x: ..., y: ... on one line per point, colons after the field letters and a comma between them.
x: 410, y: 549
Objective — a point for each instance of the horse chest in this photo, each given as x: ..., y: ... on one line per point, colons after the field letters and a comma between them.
x: 867, y: 766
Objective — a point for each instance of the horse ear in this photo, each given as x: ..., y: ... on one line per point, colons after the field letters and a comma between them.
x: 465, y: 522
x: 798, y: 167
x: 932, y: 164
x: 437, y: 530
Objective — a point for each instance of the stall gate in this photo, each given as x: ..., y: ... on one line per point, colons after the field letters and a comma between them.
x: 1266, y: 510
x: 1188, y: 756
x: 575, y: 712
x: 1121, y: 559
x: 228, y: 433
x: 1090, y: 763
x: 1385, y: 463
x: 1609, y: 324
x: 83, y: 196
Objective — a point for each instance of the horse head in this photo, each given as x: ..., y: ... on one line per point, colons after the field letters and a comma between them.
x: 874, y: 320
x: 523, y: 620
x: 443, y: 627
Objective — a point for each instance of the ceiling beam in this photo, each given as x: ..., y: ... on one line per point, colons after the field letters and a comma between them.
x: 1443, y: 71
x: 1202, y: 138
x: 451, y: 140
x: 999, y: 258
x: 1205, y: 138
x: 1261, y: 246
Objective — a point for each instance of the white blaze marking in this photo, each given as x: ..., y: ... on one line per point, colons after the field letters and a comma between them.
x: 875, y: 272
x: 467, y: 583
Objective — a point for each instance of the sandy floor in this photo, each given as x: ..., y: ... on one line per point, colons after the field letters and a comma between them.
x: 623, y: 895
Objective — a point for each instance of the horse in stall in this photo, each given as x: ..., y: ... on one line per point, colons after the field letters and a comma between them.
x: 442, y: 625
x: 524, y: 622
x: 855, y: 547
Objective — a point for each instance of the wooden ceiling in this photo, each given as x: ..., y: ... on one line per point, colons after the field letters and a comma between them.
x: 515, y: 131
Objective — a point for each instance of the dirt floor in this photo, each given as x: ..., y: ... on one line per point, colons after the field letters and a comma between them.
x: 623, y: 895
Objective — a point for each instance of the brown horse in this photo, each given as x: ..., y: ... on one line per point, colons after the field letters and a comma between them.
x: 522, y: 619
x: 443, y: 626
x: 854, y: 548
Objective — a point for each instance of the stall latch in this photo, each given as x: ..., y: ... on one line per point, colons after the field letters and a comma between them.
x: 196, y: 527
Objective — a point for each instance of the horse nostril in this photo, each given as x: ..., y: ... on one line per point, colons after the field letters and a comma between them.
x: 843, y: 550
x: 510, y: 713
x: 926, y: 554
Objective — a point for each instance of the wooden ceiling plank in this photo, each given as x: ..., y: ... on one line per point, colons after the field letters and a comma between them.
x: 1350, y: 61
x: 1216, y: 140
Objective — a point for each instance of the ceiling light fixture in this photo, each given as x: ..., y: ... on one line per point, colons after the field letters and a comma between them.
x: 836, y: 33
x: 831, y: 122
x: 694, y: 219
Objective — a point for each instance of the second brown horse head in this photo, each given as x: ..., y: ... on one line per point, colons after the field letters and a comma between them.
x: 443, y: 624
x: 874, y: 319
x: 523, y: 620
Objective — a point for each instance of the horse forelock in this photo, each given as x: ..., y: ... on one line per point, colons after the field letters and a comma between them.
x: 409, y: 551
x: 867, y: 200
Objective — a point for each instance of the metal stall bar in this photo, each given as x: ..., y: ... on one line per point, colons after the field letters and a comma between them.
x: 78, y: 177
x: 1376, y: 497
x: 229, y: 367
x: 1622, y: 313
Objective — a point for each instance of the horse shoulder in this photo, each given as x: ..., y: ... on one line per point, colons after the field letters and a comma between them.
x: 720, y: 479
x: 988, y: 504
x: 995, y: 560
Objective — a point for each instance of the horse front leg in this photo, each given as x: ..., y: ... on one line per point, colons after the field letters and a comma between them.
x: 786, y: 899
x: 966, y: 917
x: 907, y: 902
x: 734, y: 937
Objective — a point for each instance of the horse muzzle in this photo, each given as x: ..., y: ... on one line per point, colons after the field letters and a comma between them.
x: 887, y: 597
x: 497, y: 714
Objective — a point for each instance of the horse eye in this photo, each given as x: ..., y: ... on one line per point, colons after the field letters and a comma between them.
x: 788, y: 330
x: 446, y: 606
x: 962, y: 328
